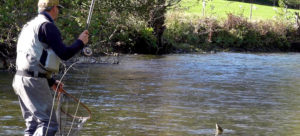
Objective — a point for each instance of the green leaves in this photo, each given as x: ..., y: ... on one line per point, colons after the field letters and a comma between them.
x: 295, y: 2
x: 108, y: 16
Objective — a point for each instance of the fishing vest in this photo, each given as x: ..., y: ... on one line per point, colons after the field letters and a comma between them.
x: 30, y: 50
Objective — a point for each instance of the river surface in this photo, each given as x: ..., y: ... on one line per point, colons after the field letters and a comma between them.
x: 180, y: 95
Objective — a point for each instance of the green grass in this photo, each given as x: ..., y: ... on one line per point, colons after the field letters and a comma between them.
x: 220, y: 8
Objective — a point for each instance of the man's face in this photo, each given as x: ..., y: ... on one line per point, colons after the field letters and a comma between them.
x: 56, y: 12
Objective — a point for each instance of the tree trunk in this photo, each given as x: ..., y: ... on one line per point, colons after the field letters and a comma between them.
x: 297, y: 22
x: 157, y: 22
x: 3, y: 59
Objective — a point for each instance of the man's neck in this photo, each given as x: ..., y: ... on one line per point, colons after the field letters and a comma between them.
x: 48, y: 16
x: 51, y: 14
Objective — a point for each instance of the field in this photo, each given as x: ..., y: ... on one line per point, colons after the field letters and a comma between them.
x: 220, y: 8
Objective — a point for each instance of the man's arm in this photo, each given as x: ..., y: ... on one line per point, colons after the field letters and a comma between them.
x: 49, y: 34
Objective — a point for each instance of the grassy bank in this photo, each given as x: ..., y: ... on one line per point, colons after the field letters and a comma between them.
x: 220, y: 9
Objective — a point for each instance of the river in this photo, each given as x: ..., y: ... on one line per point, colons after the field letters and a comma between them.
x: 180, y: 95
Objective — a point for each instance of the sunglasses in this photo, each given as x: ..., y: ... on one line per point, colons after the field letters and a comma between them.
x: 59, y: 7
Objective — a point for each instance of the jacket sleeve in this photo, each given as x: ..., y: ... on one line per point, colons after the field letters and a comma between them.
x: 49, y: 34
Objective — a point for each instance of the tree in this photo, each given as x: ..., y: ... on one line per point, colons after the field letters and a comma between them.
x: 14, y: 13
x: 157, y: 19
x: 113, y: 21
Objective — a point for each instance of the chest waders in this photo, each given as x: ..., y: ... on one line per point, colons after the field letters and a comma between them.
x: 35, y: 58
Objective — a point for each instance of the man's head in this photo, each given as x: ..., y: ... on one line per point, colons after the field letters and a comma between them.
x: 50, y: 6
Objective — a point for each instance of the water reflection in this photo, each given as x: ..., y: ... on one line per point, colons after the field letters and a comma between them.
x: 248, y: 94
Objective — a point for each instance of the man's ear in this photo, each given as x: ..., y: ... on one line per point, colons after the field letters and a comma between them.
x: 53, y: 10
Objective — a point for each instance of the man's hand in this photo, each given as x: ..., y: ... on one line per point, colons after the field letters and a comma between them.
x: 54, y: 87
x: 84, y: 37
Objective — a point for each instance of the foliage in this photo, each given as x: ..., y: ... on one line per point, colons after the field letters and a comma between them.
x: 117, y: 24
x: 113, y: 22
x: 235, y: 33
x: 290, y: 3
x: 11, y: 21
x: 265, y: 2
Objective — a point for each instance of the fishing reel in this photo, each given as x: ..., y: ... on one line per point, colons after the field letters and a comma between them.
x: 87, y: 51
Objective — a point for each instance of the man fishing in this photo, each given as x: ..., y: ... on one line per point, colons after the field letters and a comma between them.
x: 39, y: 52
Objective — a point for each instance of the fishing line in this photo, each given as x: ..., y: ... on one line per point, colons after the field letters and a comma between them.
x: 81, y: 92
x: 55, y: 93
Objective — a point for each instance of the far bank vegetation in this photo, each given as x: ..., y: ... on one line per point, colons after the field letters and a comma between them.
x: 152, y: 27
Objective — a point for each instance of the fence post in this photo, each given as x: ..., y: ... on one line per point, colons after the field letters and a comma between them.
x: 251, y: 7
x: 203, y: 7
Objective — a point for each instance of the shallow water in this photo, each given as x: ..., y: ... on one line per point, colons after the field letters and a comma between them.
x: 247, y: 94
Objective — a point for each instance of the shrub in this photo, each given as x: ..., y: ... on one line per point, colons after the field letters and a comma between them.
x: 235, y: 33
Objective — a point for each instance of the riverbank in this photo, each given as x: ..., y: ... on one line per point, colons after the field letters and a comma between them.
x: 234, y: 33
x: 191, y: 28
x: 187, y: 30
x: 229, y: 26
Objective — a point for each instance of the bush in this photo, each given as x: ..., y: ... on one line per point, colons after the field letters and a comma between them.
x: 235, y: 33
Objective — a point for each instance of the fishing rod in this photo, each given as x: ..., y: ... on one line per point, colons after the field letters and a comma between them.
x: 87, y: 51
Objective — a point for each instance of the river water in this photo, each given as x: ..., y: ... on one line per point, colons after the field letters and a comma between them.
x: 180, y: 95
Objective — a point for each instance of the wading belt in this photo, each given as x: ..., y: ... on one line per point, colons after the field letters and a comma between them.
x: 31, y: 74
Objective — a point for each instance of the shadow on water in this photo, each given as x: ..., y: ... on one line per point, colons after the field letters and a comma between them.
x: 247, y: 94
